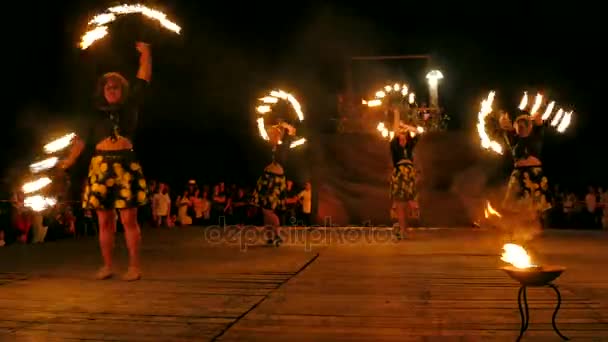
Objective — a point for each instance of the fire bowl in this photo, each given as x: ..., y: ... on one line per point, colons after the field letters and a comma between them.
x: 534, y: 276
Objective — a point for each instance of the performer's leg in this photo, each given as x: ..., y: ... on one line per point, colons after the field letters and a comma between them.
x: 107, y: 226
x: 272, y: 220
x: 402, y: 217
x: 128, y: 218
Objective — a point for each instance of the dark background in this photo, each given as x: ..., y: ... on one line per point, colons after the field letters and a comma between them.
x: 199, y: 119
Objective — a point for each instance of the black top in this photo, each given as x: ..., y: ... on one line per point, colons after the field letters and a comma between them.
x: 403, y: 153
x: 113, y: 120
x: 524, y: 147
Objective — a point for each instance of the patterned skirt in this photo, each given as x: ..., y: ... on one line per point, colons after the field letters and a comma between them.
x: 270, y: 191
x: 527, y: 191
x: 403, y: 183
x: 115, y: 181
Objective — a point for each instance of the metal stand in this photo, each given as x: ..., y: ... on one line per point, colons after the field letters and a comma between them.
x: 525, y: 314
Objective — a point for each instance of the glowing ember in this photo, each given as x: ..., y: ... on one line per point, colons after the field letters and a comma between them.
x: 486, y: 109
x: 489, y: 210
x: 412, y: 98
x: 100, y: 20
x: 59, y: 144
x: 44, y: 164
x: 39, y: 203
x: 36, y: 185
x: 516, y: 256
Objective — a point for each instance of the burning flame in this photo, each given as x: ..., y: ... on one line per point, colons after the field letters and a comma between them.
x: 557, y: 117
x: 537, y: 103
x: 93, y: 35
x: 100, y: 20
x: 39, y: 203
x: 489, y: 210
x: 516, y: 256
x: 36, y: 185
x: 374, y: 103
x: 44, y: 164
x: 565, y: 122
x: 59, y: 144
x: 412, y: 98
x: 274, y: 98
x: 524, y: 101
x: 486, y: 109
x: 269, y: 99
x: 381, y: 94
x: 548, y: 111
x: 298, y: 142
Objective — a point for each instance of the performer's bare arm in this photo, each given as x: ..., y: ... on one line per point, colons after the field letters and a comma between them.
x: 75, y: 151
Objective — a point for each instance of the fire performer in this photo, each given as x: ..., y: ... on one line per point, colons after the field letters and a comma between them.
x: 115, y: 179
x: 528, y: 188
x: 403, y: 178
x: 270, y: 193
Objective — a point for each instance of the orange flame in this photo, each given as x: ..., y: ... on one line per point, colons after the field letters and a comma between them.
x: 489, y: 210
x: 516, y: 256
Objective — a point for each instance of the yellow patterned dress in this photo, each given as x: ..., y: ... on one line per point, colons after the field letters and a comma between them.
x: 271, y: 190
x: 528, y: 190
x: 403, y: 176
x: 115, y: 181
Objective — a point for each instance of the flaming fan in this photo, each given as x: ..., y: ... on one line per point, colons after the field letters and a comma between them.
x: 560, y: 118
x: 273, y: 120
x: 99, y: 29
x: 395, y: 97
x: 44, y: 175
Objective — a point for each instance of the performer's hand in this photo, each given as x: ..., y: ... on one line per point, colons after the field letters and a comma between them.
x: 143, y: 48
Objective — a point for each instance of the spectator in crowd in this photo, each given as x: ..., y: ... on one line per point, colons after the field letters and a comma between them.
x: 161, y: 206
x: 183, y: 204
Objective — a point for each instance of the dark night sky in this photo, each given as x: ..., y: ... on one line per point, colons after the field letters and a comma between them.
x: 207, y: 79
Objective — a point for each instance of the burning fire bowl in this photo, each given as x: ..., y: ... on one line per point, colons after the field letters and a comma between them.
x: 535, y: 275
